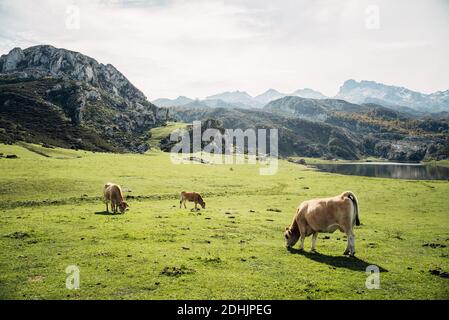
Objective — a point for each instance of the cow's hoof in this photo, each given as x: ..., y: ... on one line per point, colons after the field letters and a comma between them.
x: 313, y: 251
x: 352, y: 254
x: 346, y: 253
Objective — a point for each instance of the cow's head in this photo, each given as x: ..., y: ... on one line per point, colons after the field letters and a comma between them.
x: 123, y: 207
x: 291, y: 237
x: 201, y: 202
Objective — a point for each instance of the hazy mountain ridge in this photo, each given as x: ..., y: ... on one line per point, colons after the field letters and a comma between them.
x: 238, y: 99
x: 233, y: 97
x: 179, y: 101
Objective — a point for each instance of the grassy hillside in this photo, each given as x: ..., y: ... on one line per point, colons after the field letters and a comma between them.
x: 52, y: 216
x: 159, y: 133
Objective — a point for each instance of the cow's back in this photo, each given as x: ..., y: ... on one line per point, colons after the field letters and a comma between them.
x: 113, y: 192
x: 325, y: 214
x: 190, y: 196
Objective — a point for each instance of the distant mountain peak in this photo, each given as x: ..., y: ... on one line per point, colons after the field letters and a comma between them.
x: 271, y: 90
x: 269, y: 95
x: 309, y: 93
x: 236, y: 93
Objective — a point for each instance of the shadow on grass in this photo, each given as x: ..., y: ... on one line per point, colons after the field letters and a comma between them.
x: 352, y: 263
x: 105, y: 213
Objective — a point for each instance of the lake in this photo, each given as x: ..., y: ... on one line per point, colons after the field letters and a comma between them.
x: 414, y: 171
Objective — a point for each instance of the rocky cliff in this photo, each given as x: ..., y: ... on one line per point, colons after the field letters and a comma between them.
x: 94, y: 97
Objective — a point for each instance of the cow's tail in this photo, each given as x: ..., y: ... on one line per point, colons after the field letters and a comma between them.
x: 355, y: 202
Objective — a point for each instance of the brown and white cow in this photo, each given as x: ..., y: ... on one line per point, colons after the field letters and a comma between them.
x: 113, y: 194
x: 192, y: 197
x: 325, y: 215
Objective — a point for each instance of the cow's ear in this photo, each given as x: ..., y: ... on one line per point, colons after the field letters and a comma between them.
x: 286, y: 228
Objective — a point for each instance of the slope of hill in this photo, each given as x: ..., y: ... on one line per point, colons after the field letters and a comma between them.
x: 384, y: 132
x: 64, y: 98
x: 320, y: 109
x: 296, y: 136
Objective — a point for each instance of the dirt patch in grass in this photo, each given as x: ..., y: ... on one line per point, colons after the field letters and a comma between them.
x: 36, y: 279
x: 18, y: 235
x: 434, y: 245
x: 213, y: 260
x: 440, y: 273
x: 176, y: 271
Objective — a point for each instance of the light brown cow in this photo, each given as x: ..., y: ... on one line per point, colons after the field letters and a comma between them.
x: 113, y: 194
x: 325, y: 215
x: 192, y: 197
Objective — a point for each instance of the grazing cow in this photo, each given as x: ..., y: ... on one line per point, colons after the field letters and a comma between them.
x: 113, y: 194
x: 192, y: 197
x: 325, y: 215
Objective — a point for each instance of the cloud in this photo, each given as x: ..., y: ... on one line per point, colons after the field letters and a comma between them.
x: 196, y: 48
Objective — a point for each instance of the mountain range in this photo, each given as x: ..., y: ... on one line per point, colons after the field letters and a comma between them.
x: 398, y: 98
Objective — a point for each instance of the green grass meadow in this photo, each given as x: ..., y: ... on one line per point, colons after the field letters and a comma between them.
x: 52, y: 216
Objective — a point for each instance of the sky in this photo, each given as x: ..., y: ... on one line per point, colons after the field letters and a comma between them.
x: 198, y: 48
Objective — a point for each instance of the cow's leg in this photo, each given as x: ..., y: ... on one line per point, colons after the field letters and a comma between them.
x: 180, y: 203
x: 351, y: 239
x: 196, y: 206
x: 107, y: 208
x: 348, y: 249
x: 314, y: 236
x: 301, y: 238
x: 185, y: 207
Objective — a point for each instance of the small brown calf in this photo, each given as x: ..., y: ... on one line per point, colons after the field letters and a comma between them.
x: 192, y: 197
x: 113, y: 194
